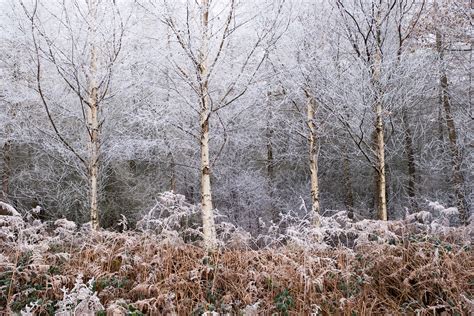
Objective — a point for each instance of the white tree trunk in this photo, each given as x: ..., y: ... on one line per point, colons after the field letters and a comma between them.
x: 380, y: 151
x: 209, y: 228
x: 93, y: 121
x: 379, y: 129
x: 313, y: 159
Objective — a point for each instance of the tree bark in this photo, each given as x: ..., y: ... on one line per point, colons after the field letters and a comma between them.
x: 457, y: 176
x: 6, y: 170
x: 7, y: 147
x: 408, y: 138
x: 167, y: 101
x: 93, y: 121
x: 209, y: 229
x: 172, y: 172
x: 379, y: 129
x: 274, y: 214
x: 410, y: 161
x: 349, y: 195
x: 313, y: 159
x: 380, y: 151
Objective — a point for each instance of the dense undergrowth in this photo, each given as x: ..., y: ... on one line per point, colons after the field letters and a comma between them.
x: 411, y: 266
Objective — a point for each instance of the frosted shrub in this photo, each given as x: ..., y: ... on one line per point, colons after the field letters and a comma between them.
x: 81, y: 300
x: 175, y: 220
x: 238, y: 238
x: 29, y: 309
x: 171, y: 213
x: 10, y: 226
x: 16, y: 230
x: 64, y: 228
x: 8, y: 210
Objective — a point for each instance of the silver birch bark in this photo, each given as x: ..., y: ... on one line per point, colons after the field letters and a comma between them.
x: 93, y: 120
x: 83, y: 79
x: 209, y: 229
x: 313, y: 159
x: 379, y: 128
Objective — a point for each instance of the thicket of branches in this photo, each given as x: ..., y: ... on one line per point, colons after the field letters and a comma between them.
x: 267, y: 61
x: 298, y: 143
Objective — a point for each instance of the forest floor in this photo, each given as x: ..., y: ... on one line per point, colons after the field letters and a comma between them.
x: 399, y: 267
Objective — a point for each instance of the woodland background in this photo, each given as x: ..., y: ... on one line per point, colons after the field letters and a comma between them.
x: 149, y: 113
x: 236, y: 157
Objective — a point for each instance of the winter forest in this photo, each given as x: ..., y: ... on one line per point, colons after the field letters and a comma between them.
x: 236, y: 157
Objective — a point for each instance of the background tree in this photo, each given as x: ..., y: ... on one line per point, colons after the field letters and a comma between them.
x: 84, y: 62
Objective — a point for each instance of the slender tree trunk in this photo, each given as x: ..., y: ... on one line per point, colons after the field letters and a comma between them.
x: 173, y: 172
x: 349, y: 195
x: 94, y: 161
x: 457, y: 176
x: 469, y: 92
x: 411, y: 160
x: 408, y: 137
x: 441, y: 119
x: 313, y: 159
x: 347, y: 177
x: 7, y: 159
x: 375, y: 197
x: 209, y: 229
x: 379, y: 130
x: 93, y: 121
x: 270, y: 160
x: 167, y: 101
x: 380, y: 151
x: 7, y: 147
x: 6, y: 170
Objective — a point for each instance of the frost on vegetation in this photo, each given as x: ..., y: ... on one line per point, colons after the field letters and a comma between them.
x: 65, y: 224
x: 339, y: 230
x: 28, y: 230
x: 175, y: 221
x: 80, y: 300
x: 131, y: 268
x: 170, y: 213
x: 8, y: 210
x: 9, y: 226
x: 251, y: 310
x: 64, y: 227
x: 444, y: 218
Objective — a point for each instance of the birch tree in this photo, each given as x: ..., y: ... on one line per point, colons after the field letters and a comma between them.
x: 203, y: 30
x: 365, y: 24
x: 83, y: 51
x: 313, y: 157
